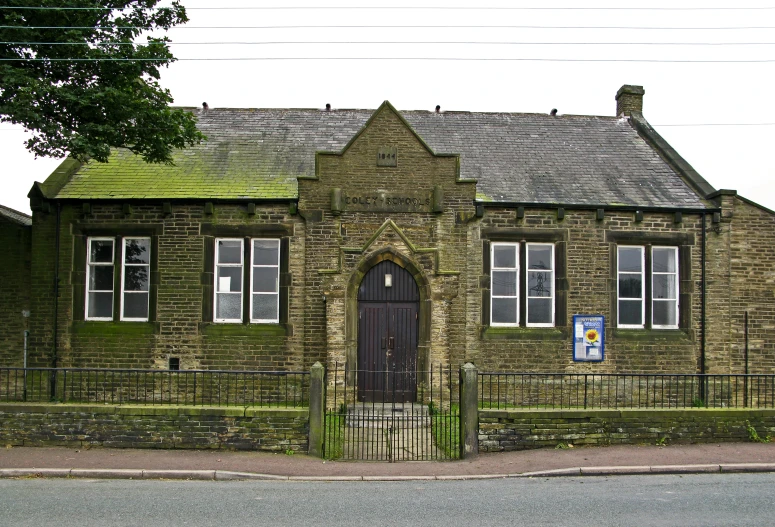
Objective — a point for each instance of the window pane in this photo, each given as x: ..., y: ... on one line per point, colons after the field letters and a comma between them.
x: 137, y: 251
x: 630, y: 312
x: 228, y: 306
x: 630, y: 286
x: 265, y: 307
x: 504, y: 283
x: 229, y: 251
x: 229, y: 279
x: 136, y: 278
x: 539, y: 257
x: 539, y: 283
x: 101, y: 251
x: 504, y: 310
x: 100, y: 305
x: 663, y: 259
x: 265, y: 279
x: 135, y: 305
x: 504, y: 256
x: 630, y: 259
x: 665, y: 313
x: 539, y: 311
x: 266, y: 252
x: 101, y: 278
x: 664, y: 286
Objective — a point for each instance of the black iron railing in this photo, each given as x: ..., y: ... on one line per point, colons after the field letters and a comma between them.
x: 587, y: 390
x: 155, y: 387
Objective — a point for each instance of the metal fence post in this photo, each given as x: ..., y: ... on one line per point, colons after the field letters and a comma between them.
x: 316, y: 409
x: 469, y: 411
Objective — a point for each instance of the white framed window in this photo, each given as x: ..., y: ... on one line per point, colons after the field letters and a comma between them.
x: 630, y: 287
x: 540, y: 285
x: 228, y: 280
x: 100, y: 281
x: 134, y: 268
x: 135, y: 279
x: 633, y: 295
x: 263, y: 279
x: 664, y: 287
x: 504, y: 284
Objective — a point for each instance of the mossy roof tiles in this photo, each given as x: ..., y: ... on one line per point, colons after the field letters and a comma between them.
x: 518, y: 158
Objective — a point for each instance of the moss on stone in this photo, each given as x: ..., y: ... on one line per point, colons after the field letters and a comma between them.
x: 109, y: 329
x: 246, y: 330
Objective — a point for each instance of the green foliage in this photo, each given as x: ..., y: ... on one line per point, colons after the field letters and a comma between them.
x: 445, y: 427
x: 662, y: 441
x: 562, y: 446
x: 82, y: 83
x: 333, y: 434
x: 698, y: 403
x: 753, y: 435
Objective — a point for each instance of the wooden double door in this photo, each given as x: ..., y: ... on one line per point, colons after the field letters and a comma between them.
x: 388, y: 313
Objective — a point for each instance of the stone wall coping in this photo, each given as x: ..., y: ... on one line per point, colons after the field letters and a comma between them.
x: 512, y: 413
x: 171, y: 410
x: 259, y: 411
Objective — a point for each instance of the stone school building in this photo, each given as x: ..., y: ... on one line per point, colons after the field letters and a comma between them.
x: 394, y: 239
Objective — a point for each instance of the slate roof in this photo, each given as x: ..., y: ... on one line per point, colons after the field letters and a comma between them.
x: 516, y: 158
x: 15, y: 216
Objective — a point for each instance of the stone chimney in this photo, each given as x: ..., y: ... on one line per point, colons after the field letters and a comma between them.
x: 629, y: 99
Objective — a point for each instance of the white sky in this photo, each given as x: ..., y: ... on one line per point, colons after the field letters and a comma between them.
x: 677, y: 93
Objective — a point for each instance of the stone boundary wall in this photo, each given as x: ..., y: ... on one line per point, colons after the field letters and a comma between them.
x: 172, y: 427
x: 504, y: 430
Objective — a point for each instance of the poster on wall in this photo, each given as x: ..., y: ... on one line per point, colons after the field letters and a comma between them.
x: 588, y: 337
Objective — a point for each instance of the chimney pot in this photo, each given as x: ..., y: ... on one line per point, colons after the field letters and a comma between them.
x: 328, y: 107
x: 205, y: 106
x: 553, y: 113
x: 629, y: 99
x: 438, y: 108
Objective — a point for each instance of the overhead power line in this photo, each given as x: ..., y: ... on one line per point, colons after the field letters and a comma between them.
x: 648, y: 28
x: 717, y: 124
x: 395, y: 8
x: 697, y: 125
x: 465, y: 59
x: 389, y: 42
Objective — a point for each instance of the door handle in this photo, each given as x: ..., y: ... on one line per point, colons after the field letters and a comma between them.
x: 391, y: 343
x: 384, y: 341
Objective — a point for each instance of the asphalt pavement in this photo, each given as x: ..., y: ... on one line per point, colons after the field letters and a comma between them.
x: 221, y: 464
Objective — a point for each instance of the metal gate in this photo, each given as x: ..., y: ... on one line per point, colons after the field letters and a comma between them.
x: 392, y: 426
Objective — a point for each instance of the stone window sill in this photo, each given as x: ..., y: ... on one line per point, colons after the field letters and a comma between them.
x: 244, y: 330
x: 94, y: 327
x: 650, y: 335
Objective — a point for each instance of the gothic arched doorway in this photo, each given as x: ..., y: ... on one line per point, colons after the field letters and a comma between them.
x: 388, y: 307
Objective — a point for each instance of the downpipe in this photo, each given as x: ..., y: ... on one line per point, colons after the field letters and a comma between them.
x: 24, y: 388
x: 54, y: 358
x: 703, y: 302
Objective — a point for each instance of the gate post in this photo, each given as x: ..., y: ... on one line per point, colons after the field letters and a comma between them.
x: 317, y: 407
x: 469, y: 412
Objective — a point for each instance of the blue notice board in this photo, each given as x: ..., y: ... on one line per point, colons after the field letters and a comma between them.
x: 588, y: 338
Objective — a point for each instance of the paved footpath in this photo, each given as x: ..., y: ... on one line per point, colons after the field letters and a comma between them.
x: 219, y: 464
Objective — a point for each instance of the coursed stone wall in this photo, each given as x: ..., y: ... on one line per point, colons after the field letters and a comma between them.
x: 586, y: 279
x: 504, y: 430
x: 752, y: 288
x: 170, y: 427
x: 337, y: 232
x: 181, y: 288
x: 14, y: 290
